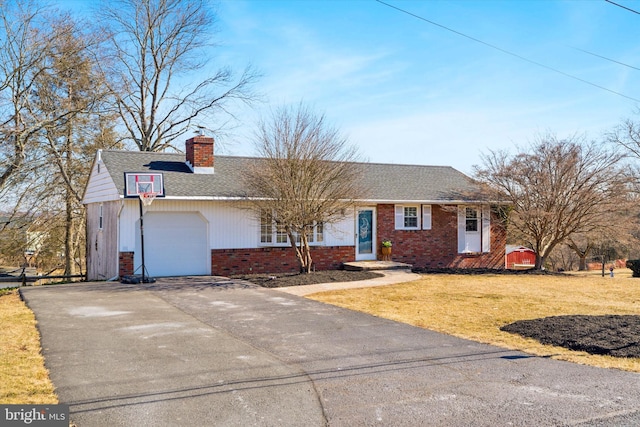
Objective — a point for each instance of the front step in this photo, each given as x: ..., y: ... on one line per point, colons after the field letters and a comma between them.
x: 376, y: 265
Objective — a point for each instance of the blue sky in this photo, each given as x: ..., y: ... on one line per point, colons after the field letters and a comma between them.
x: 407, y: 91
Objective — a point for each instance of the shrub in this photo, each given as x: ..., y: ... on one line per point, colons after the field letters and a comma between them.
x: 634, y: 265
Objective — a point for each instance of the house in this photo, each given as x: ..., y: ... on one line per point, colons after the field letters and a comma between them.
x: 202, y: 224
x: 24, y: 237
x: 519, y: 258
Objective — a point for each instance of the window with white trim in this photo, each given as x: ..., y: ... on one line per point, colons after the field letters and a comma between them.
x: 266, y: 227
x: 472, y: 219
x: 274, y: 234
x: 407, y: 217
x: 319, y: 229
x: 281, y: 234
x: 410, y: 217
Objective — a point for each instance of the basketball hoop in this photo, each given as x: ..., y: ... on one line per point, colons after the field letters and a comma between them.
x: 147, y: 198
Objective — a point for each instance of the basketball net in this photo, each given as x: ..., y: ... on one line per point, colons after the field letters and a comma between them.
x: 147, y: 198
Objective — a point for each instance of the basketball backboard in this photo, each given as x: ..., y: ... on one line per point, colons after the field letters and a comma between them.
x: 136, y: 183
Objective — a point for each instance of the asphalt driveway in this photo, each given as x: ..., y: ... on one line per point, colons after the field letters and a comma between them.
x: 216, y: 352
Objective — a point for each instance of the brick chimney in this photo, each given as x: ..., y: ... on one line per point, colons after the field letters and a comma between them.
x: 199, y: 151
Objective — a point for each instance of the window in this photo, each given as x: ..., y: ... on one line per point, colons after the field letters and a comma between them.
x: 320, y: 232
x: 273, y: 234
x: 408, y: 217
x: 471, y: 219
x: 316, y: 234
x: 281, y: 234
x: 101, y: 218
x: 266, y: 227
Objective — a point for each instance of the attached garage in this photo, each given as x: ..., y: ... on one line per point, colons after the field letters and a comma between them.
x: 175, y: 244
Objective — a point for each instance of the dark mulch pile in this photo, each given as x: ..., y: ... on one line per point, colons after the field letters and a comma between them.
x: 296, y: 279
x: 612, y: 335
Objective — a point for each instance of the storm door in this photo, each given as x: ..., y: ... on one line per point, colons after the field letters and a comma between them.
x: 365, y: 234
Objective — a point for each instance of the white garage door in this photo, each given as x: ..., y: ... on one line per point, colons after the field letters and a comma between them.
x: 175, y: 244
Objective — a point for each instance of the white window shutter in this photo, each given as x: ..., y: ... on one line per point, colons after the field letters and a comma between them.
x: 462, y: 229
x: 486, y: 229
x: 399, y: 217
x: 426, y: 217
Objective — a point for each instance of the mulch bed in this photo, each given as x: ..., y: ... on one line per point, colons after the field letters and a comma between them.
x: 313, y: 278
x: 613, y: 335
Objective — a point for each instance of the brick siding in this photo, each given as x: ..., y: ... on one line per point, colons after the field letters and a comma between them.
x: 226, y: 262
x: 438, y: 247
x: 125, y: 263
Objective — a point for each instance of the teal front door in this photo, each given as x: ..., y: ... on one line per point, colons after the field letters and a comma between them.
x: 365, y: 234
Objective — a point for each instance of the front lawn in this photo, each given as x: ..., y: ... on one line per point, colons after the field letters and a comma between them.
x: 476, y: 307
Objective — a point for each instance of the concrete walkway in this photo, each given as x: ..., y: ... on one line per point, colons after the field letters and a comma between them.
x: 217, y: 352
x: 389, y: 277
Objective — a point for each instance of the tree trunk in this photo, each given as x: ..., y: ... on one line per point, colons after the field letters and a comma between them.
x: 69, y: 264
x: 68, y: 224
x: 303, y: 251
x: 583, y: 263
x: 68, y: 238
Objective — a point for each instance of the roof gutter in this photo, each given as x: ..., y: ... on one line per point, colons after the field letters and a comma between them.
x: 357, y: 201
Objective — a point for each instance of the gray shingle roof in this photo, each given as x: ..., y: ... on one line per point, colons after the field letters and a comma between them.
x: 385, y: 182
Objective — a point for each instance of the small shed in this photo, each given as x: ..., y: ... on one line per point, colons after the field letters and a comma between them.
x: 519, y: 258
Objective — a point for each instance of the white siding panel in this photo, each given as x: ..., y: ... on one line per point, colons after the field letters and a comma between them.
x: 100, y: 186
x: 341, y: 233
x: 232, y: 225
x: 128, y: 217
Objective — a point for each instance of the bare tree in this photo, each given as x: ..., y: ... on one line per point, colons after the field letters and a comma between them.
x: 24, y: 45
x: 307, y: 176
x: 52, y: 104
x: 72, y: 82
x: 627, y: 135
x: 558, y: 189
x: 158, y: 58
x: 582, y: 246
x: 617, y: 230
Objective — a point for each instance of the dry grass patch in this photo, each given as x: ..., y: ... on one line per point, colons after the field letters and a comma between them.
x: 23, y: 377
x: 475, y: 307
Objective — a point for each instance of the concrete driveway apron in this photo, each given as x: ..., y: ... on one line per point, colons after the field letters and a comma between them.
x: 209, y: 352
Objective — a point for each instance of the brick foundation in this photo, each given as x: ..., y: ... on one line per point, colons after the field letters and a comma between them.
x: 125, y: 264
x: 438, y: 247
x: 227, y: 262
